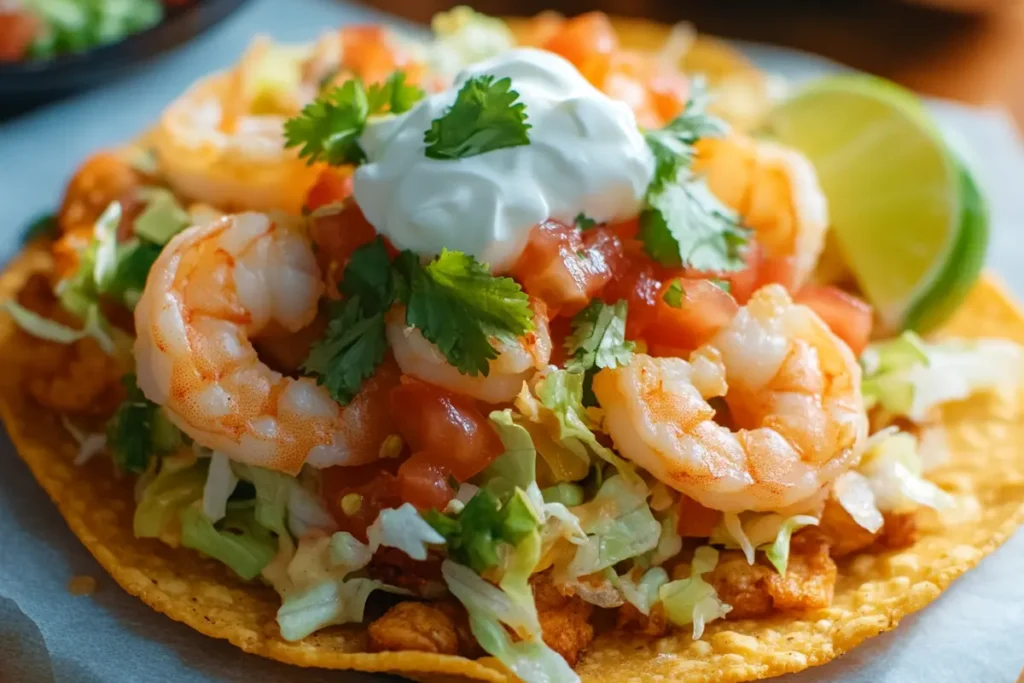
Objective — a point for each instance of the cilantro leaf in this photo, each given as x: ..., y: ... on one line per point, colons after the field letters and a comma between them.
x: 584, y: 222
x: 394, y: 95
x: 349, y: 352
x: 724, y: 285
x: 329, y: 127
x: 369, y: 277
x: 458, y: 305
x: 484, y: 117
x: 139, y: 430
x: 674, y: 294
x: 672, y: 145
x: 598, y: 337
x: 685, y: 224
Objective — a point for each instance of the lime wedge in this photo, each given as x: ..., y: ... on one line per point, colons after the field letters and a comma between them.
x: 907, y: 215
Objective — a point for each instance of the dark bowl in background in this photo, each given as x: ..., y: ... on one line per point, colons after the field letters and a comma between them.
x: 28, y: 84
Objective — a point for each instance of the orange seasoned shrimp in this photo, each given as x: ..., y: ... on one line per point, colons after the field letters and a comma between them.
x: 775, y: 189
x: 515, y: 364
x: 791, y: 386
x: 222, y: 141
x: 212, y: 289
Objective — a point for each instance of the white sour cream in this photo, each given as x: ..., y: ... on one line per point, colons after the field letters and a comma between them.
x: 586, y: 155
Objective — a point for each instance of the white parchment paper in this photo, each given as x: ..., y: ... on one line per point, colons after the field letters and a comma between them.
x: 974, y: 632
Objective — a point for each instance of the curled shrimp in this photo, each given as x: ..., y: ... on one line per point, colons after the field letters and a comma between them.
x: 212, y: 289
x: 516, y: 362
x: 233, y: 163
x: 775, y: 189
x: 791, y: 386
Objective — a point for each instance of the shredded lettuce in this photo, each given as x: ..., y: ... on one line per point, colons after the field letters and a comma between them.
x: 139, y: 430
x: 778, y: 552
x: 491, y: 609
x: 273, y: 491
x: 853, y: 492
x: 89, y: 445
x: 162, y: 219
x: 330, y: 602
x: 348, y: 553
x: 515, y: 581
x: 104, y: 267
x: 894, y: 471
x: 242, y: 543
x: 768, y: 532
x: 518, y: 464
x: 619, y: 525
x: 51, y: 330
x: 463, y: 37
x: 220, y: 484
x: 910, y: 377
x: 564, y: 438
x: 670, y: 542
x: 694, y: 600
x: 642, y: 593
x: 307, y: 513
x: 403, y: 528
x: 563, y: 493
x: 177, y: 485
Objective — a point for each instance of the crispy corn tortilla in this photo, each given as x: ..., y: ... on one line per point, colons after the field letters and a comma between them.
x: 985, y: 474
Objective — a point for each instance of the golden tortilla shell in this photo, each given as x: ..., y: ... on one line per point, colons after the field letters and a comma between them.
x: 986, y: 474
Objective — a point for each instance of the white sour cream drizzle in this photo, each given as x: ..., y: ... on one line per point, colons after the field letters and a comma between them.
x: 586, y: 155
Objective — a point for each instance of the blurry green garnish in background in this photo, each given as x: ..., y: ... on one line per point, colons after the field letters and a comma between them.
x: 77, y: 25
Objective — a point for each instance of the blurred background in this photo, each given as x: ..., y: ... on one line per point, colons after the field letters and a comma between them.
x: 966, y: 50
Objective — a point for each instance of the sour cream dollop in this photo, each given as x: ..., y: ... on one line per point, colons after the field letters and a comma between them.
x: 586, y: 154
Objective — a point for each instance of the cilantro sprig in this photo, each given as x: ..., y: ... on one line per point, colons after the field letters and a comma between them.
x: 684, y: 224
x: 458, y: 305
x: 484, y: 117
x: 598, y: 338
x: 453, y: 301
x: 328, y: 128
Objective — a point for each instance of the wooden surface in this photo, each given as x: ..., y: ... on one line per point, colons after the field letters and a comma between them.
x: 974, y: 59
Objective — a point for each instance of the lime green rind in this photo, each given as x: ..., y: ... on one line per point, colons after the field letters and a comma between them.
x: 884, y: 165
x: 969, y: 251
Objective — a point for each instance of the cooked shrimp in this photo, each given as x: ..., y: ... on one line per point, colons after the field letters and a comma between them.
x: 233, y: 167
x: 222, y: 141
x: 212, y: 288
x: 791, y: 387
x: 515, y: 363
x: 775, y: 189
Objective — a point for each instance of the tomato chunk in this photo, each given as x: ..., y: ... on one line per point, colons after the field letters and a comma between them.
x: 444, y: 429
x: 423, y: 481
x: 848, y: 317
x: 564, y: 267
x: 636, y: 281
x: 588, y: 41
x: 331, y: 187
x: 337, y: 235
x: 356, y: 495
x: 704, y: 308
x: 17, y: 31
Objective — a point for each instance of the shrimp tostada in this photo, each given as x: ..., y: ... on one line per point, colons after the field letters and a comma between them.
x: 551, y: 349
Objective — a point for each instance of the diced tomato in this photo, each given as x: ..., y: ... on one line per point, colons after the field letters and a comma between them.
x: 371, y: 488
x: 17, y: 31
x: 331, y: 187
x: 337, y: 235
x: 450, y: 428
x: 588, y: 41
x: 565, y: 268
x: 423, y: 481
x: 668, y: 91
x: 777, y: 270
x: 847, y: 316
x: 636, y: 282
x: 370, y: 53
x: 704, y: 309
x: 742, y: 283
x: 695, y: 520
